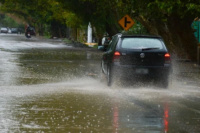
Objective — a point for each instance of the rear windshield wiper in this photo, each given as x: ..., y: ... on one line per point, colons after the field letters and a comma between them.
x: 144, y: 49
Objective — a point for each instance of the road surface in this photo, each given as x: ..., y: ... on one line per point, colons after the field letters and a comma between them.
x: 48, y: 86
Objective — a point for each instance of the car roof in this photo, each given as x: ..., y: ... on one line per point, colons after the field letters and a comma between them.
x: 138, y: 35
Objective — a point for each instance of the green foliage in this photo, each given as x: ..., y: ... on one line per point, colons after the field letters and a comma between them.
x: 67, y: 41
x: 37, y: 13
x: 103, y: 14
x: 98, y: 12
x: 160, y: 8
x: 137, y: 28
x: 6, y: 21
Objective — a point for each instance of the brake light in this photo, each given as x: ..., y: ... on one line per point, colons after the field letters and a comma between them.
x: 167, y: 58
x: 116, y: 56
x: 117, y: 53
x: 167, y: 55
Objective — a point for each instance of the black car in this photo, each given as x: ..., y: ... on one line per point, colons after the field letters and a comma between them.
x: 134, y: 56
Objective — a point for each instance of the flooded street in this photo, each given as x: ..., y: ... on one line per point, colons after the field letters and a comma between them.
x: 47, y: 86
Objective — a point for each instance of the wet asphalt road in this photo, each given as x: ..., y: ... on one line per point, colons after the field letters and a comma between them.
x: 47, y: 86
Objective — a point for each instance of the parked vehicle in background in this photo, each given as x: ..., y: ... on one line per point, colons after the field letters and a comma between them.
x: 14, y: 30
x: 4, y: 30
x: 136, y: 56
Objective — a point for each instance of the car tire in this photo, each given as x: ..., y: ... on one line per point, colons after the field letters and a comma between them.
x: 109, y: 76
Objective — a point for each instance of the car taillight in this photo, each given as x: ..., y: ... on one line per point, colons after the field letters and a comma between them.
x: 167, y: 58
x: 116, y: 56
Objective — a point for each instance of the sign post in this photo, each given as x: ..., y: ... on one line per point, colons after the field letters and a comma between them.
x: 126, y: 22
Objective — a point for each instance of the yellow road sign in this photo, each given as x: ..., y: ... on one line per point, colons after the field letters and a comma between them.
x: 126, y: 22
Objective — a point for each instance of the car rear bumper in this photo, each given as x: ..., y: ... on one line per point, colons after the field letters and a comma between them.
x: 150, y: 71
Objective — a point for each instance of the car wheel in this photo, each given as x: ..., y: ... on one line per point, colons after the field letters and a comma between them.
x: 109, y: 76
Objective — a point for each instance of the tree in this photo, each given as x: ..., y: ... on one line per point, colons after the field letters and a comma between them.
x: 38, y: 13
x: 170, y: 19
x: 102, y: 14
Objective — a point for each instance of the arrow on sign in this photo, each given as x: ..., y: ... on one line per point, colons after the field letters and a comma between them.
x: 126, y: 22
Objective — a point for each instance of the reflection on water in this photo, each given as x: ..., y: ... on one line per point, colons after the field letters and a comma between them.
x: 67, y: 112
x: 166, y: 117
x: 72, y: 109
x: 85, y: 105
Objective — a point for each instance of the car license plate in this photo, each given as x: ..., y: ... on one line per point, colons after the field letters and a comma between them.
x: 142, y: 71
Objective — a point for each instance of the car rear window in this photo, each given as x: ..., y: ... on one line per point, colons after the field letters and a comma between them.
x: 141, y: 43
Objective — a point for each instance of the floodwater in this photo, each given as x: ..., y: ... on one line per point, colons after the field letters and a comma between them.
x: 47, y: 86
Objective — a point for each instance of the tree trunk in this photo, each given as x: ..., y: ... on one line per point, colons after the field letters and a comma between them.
x: 54, y: 29
x: 111, y: 29
x: 40, y: 29
x: 58, y: 29
x: 183, y: 36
